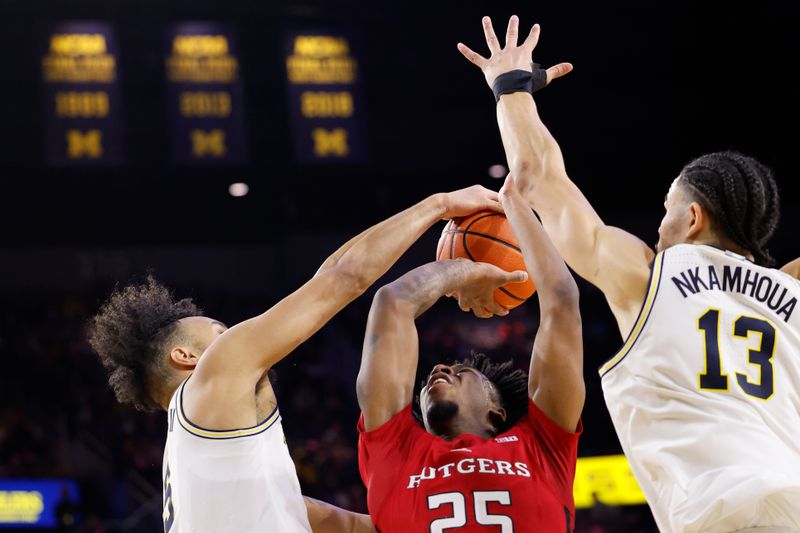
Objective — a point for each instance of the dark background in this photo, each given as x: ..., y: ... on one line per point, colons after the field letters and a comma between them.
x: 654, y: 85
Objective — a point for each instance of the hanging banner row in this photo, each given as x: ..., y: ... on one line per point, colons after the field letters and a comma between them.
x: 205, y: 106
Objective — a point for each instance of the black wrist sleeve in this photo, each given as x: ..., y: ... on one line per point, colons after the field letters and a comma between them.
x: 516, y: 81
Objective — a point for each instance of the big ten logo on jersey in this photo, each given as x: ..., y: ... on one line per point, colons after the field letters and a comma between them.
x: 478, y: 465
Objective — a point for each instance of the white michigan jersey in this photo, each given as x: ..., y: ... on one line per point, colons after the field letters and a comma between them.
x: 238, y: 481
x: 705, y: 393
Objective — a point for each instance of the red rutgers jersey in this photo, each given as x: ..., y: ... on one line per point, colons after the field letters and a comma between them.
x: 519, y: 481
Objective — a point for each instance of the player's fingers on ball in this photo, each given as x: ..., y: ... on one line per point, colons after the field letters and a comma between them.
x: 512, y: 31
x: 491, y: 38
x: 491, y: 199
x: 490, y: 271
x: 482, y: 312
x: 463, y: 305
x: 533, y: 37
x: 556, y: 71
x: 473, y: 57
x: 490, y: 194
x: 496, y: 276
x: 518, y: 276
x: 499, y: 275
x: 495, y: 205
x: 496, y: 308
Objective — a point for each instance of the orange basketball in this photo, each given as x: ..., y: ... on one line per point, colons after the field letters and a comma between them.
x: 487, y: 237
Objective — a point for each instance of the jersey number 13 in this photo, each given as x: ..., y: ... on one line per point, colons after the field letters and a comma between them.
x: 714, y: 379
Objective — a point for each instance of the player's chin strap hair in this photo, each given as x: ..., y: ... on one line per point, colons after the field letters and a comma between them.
x: 517, y: 81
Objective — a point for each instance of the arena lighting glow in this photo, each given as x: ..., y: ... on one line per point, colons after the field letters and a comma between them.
x: 607, y: 479
x: 238, y: 189
x: 498, y: 171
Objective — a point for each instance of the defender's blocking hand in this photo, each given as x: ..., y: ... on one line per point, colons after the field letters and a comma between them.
x: 513, y: 56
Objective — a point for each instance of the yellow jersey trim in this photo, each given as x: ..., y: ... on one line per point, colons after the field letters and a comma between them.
x: 222, y: 434
x: 644, y: 314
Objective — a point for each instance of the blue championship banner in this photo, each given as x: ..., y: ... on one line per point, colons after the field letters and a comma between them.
x: 81, y: 94
x: 204, y: 94
x: 325, y: 101
x: 38, y: 503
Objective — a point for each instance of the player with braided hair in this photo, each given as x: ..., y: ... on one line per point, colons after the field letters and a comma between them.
x: 742, y: 198
x: 704, y: 393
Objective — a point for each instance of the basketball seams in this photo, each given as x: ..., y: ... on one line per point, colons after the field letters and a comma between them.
x: 510, y: 294
x: 452, y: 243
x: 469, y: 254
x: 485, y: 236
x: 472, y: 223
x: 472, y: 242
x: 492, y: 237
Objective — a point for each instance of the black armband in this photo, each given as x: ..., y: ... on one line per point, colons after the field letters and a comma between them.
x: 519, y: 81
x: 515, y: 81
x: 539, y: 77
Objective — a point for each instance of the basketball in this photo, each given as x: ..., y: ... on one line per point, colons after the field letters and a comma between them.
x: 487, y: 237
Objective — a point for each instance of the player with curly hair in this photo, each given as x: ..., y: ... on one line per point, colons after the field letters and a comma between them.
x: 226, y: 465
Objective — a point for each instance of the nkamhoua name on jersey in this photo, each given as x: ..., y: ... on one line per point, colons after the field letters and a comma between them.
x: 738, y: 279
x: 477, y: 465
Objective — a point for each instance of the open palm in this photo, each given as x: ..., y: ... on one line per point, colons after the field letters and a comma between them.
x: 513, y: 56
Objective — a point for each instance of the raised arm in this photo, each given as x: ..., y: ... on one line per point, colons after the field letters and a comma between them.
x: 792, y: 268
x: 555, y: 380
x: 617, y: 262
x: 385, y: 382
x: 221, y: 389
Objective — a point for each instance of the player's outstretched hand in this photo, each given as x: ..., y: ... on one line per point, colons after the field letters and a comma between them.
x: 476, y: 293
x: 513, y: 56
x: 464, y: 202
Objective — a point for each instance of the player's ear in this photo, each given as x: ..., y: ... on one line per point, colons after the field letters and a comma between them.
x: 699, y: 221
x: 182, y: 358
x: 497, y: 416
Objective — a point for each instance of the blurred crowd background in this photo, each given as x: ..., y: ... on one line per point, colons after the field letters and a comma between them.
x: 654, y: 85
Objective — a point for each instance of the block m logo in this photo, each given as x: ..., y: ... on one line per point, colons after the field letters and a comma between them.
x: 88, y: 144
x: 333, y: 142
x: 208, y: 143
